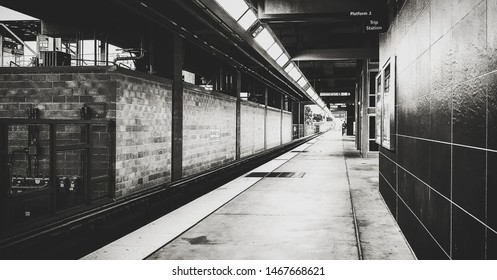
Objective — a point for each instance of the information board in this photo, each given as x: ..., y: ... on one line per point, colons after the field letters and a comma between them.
x: 385, y: 105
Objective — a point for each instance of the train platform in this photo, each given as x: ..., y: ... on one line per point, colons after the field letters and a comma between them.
x: 319, y: 201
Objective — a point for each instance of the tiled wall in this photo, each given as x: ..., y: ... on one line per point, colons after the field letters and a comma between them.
x: 252, y: 128
x: 209, y: 129
x: 440, y: 182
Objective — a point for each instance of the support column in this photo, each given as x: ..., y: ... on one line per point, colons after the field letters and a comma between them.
x: 281, y: 118
x: 265, y: 117
x: 363, y: 110
x: 237, y: 87
x: 1, y: 50
x: 177, y: 110
x: 299, y: 119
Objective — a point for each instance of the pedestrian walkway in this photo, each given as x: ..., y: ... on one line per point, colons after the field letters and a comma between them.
x: 301, y: 209
x: 318, y: 201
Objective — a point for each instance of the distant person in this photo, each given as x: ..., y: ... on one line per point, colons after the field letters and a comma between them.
x: 344, y: 128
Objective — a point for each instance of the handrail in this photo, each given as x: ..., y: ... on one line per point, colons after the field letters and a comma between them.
x: 12, y: 62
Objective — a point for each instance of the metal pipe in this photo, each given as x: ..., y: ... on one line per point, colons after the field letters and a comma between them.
x: 142, y: 54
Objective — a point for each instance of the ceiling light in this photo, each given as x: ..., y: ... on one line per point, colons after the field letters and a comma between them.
x: 247, y: 20
x: 302, y: 82
x: 275, y: 51
x: 282, y: 60
x: 295, y: 74
x: 235, y: 8
x: 264, y: 39
x: 289, y: 67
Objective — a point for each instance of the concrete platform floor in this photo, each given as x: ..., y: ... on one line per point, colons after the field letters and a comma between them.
x: 301, y: 217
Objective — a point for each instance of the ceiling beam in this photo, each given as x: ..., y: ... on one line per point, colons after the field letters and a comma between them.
x: 321, y: 6
x: 336, y: 54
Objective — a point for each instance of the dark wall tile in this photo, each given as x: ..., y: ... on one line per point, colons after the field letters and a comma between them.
x: 388, y: 169
x: 492, y: 190
x: 421, y: 118
x: 406, y: 188
x: 440, y: 113
x: 491, y: 245
x: 421, y: 201
x: 407, y: 224
x: 440, y: 172
x: 468, y: 184
x: 392, y: 154
x: 420, y: 240
x: 406, y: 151
x: 469, y: 114
x: 388, y: 195
x: 468, y: 236
x: 422, y: 160
x: 469, y: 40
x: 439, y: 219
x: 402, y: 119
x: 411, y: 109
x: 492, y: 110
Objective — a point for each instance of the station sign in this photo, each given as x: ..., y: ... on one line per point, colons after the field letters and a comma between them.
x: 334, y: 94
x: 371, y: 20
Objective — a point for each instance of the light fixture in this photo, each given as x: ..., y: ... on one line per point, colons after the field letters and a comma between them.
x: 247, y: 19
x: 282, y: 60
x: 295, y: 74
x: 289, y: 67
x: 264, y: 38
x: 235, y: 8
x: 275, y: 51
x: 302, y: 82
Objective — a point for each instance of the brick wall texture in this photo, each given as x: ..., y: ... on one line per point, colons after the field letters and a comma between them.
x: 209, y: 129
x: 143, y: 133
x: 252, y: 128
x: 58, y: 95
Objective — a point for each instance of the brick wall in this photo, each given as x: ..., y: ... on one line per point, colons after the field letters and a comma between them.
x: 273, y: 127
x: 143, y: 132
x: 140, y: 105
x: 287, y: 127
x: 440, y: 182
x: 209, y: 129
x: 252, y: 128
x: 58, y: 94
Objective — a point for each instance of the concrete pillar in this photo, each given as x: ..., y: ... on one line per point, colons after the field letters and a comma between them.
x: 177, y: 110
x: 363, y: 110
